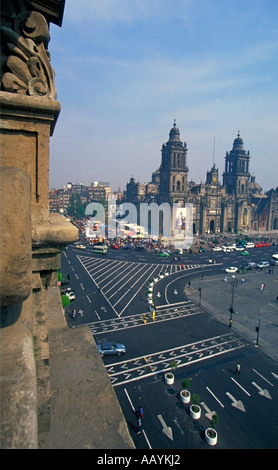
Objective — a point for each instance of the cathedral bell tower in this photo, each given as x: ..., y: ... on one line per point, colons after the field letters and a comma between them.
x: 236, y: 176
x: 236, y: 180
x: 173, y: 169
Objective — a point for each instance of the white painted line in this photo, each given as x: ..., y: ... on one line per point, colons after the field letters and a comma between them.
x: 215, y: 397
x: 95, y: 283
x: 97, y: 314
x: 241, y: 387
x: 133, y: 409
x: 128, y: 397
x: 263, y: 377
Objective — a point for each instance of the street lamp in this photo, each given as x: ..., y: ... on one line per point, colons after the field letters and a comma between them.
x: 258, y: 331
x: 234, y: 284
x: 200, y: 295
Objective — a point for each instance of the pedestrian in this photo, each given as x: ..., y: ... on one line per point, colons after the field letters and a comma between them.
x: 189, y: 284
x: 73, y: 314
x: 262, y: 287
x: 140, y: 411
x: 153, y: 315
x: 242, y: 281
x: 144, y: 319
x: 238, y: 369
x: 225, y: 279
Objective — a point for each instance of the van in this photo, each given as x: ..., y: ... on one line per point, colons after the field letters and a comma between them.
x: 101, y: 249
x: 274, y: 260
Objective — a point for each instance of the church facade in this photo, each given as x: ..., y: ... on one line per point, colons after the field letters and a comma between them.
x: 234, y: 205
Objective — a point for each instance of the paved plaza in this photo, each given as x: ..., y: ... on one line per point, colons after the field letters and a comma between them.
x: 253, y: 306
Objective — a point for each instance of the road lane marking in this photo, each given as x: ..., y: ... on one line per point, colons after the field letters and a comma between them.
x: 236, y: 403
x: 215, y: 397
x: 263, y: 392
x: 263, y: 377
x: 166, y: 429
x: 241, y: 387
x: 133, y: 409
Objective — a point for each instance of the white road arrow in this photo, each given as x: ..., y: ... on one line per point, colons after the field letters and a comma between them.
x: 166, y: 429
x: 158, y: 294
x: 236, y: 403
x: 175, y: 292
x: 209, y: 414
x: 265, y: 393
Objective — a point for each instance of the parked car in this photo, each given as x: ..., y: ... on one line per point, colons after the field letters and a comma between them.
x: 250, y: 265
x: 81, y: 247
x: 231, y: 269
x: 239, y: 248
x: 111, y: 348
x: 265, y: 244
x: 127, y: 247
x: 202, y: 250
x: 263, y: 265
x: 227, y: 249
x: 249, y: 245
x: 217, y: 248
x: 258, y: 245
x: 71, y: 295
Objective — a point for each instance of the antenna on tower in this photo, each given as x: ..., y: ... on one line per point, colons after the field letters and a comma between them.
x: 213, y: 163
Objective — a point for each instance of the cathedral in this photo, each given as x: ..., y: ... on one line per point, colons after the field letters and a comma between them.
x: 235, y: 205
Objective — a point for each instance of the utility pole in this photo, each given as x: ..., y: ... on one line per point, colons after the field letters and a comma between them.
x: 258, y: 331
x: 234, y: 283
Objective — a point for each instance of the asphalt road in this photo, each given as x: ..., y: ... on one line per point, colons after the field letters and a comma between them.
x: 111, y: 296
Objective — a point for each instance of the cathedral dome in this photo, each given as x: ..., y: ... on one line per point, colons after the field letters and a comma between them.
x: 174, y: 134
x: 238, y: 143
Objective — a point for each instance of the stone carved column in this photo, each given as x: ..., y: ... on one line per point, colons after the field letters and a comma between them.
x: 31, y: 238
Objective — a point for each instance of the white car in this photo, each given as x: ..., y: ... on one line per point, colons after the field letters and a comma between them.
x: 263, y: 265
x: 81, y: 247
x: 217, y: 248
x: 71, y: 295
x: 240, y: 248
x: 231, y: 269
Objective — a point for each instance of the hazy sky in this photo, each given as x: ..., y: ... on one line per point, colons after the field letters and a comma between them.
x: 125, y: 69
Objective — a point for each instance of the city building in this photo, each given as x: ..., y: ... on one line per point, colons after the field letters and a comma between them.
x: 235, y: 205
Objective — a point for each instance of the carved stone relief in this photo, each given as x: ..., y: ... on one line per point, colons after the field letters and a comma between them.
x: 26, y: 67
